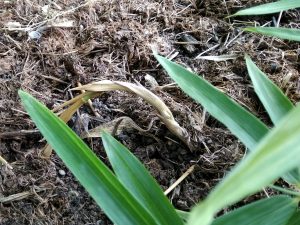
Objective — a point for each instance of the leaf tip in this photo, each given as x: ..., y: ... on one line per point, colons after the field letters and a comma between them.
x: 24, y: 96
x: 154, y: 50
x: 105, y: 136
x: 22, y: 93
x: 104, y: 133
x: 229, y: 16
x: 247, y: 57
x: 156, y: 55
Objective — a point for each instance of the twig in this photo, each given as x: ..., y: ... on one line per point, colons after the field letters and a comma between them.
x: 183, y: 176
x: 211, y: 48
x: 233, y: 39
x: 55, y: 79
x: 187, y: 42
x: 17, y: 133
x: 19, y: 196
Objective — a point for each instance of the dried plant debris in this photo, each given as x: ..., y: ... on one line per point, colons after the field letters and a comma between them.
x: 163, y: 111
x: 115, y: 127
x: 95, y: 89
x: 47, y: 48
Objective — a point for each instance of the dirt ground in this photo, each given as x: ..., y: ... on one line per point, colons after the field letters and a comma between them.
x: 47, y: 47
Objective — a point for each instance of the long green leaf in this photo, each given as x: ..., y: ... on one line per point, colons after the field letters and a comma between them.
x: 275, y: 155
x: 268, y: 8
x: 283, y: 33
x: 270, y: 211
x: 137, y: 180
x: 98, y: 180
x: 274, y: 101
x: 239, y: 121
x: 295, y: 220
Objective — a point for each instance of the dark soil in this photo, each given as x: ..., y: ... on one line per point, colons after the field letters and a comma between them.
x: 112, y: 40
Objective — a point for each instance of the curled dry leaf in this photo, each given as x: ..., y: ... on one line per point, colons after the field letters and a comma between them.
x: 115, y: 126
x: 164, y: 112
x: 95, y: 89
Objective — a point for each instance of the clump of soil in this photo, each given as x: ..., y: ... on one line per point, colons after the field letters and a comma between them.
x: 46, y: 49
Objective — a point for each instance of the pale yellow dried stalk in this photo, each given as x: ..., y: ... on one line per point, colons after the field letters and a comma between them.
x: 164, y: 112
x: 179, y: 180
x: 20, y: 196
x: 75, y: 103
x: 4, y: 162
x: 81, y: 97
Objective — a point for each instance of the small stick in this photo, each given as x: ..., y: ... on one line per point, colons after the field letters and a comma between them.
x: 167, y: 86
x: 177, y: 182
x: 207, y: 50
x: 55, y: 79
x: 18, y: 133
x: 19, y: 196
x: 187, y: 42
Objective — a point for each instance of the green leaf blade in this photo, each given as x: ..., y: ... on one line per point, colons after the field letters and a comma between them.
x: 283, y: 33
x: 239, y: 121
x: 270, y: 211
x: 295, y: 220
x: 97, y: 179
x: 275, y: 102
x: 269, y: 8
x: 139, y: 182
x: 261, y: 167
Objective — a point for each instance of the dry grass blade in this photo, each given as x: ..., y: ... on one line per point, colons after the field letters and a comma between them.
x: 4, y: 162
x: 115, y: 126
x: 19, y: 196
x: 164, y: 112
x: 16, y: 197
x: 66, y: 115
x: 82, y: 97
